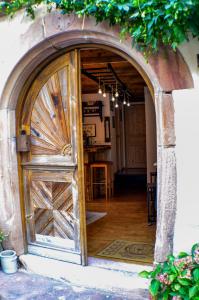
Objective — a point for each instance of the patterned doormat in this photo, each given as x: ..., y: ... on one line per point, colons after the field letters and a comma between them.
x: 126, y: 250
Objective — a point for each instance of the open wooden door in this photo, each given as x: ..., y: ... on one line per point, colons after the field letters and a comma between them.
x: 53, y: 167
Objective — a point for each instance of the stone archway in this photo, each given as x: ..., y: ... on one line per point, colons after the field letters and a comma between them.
x: 60, y: 34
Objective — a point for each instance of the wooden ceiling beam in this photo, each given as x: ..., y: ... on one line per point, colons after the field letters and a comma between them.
x: 101, y: 60
x: 125, y: 88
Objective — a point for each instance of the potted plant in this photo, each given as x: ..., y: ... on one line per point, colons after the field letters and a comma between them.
x: 177, y: 278
x: 8, y: 257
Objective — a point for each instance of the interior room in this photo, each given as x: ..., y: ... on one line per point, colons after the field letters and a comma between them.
x: 120, y: 159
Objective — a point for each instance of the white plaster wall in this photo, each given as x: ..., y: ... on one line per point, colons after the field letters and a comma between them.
x: 189, y: 51
x: 16, y: 41
x: 186, y: 103
x: 100, y: 137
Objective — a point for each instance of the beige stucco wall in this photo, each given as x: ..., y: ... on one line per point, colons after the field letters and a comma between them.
x: 186, y: 105
x: 21, y: 34
x: 189, y: 50
x: 187, y: 152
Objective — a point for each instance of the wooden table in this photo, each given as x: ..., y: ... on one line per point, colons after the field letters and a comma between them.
x: 90, y: 151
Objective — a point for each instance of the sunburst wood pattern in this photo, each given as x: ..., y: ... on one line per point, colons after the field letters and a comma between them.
x: 50, y: 121
x: 53, y: 208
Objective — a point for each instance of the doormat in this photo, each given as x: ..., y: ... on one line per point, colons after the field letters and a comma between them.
x: 126, y: 250
x: 92, y: 216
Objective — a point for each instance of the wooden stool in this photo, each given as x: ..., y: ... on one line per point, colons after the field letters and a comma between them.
x: 106, y: 181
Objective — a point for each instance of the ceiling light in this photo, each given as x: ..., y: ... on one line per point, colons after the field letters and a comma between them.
x: 116, y: 91
x: 104, y: 91
x: 99, y: 90
x: 112, y: 98
x: 116, y: 105
x: 124, y: 101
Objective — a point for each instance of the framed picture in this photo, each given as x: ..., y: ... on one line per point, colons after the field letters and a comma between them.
x: 107, y: 131
x: 89, y: 130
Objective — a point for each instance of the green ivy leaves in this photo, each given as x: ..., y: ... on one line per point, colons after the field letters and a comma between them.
x: 150, y: 23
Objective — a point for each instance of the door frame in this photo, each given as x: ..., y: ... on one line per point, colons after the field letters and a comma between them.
x: 16, y: 88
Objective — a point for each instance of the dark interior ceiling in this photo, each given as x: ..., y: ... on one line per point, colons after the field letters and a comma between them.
x: 110, y: 68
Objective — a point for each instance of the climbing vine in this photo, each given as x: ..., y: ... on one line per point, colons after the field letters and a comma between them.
x: 150, y: 23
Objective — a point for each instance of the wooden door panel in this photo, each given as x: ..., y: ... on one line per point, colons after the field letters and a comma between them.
x: 53, y: 172
x: 50, y: 207
x: 50, y: 121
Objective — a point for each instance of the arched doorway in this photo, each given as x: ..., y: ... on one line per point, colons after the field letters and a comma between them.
x: 120, y: 137
x: 52, y: 165
x: 18, y: 85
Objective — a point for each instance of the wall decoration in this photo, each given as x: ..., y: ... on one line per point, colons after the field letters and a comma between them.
x: 89, y: 130
x: 92, y: 109
x: 107, y: 132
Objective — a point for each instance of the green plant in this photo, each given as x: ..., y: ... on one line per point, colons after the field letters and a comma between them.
x: 150, y: 23
x: 177, y: 278
x: 2, y: 236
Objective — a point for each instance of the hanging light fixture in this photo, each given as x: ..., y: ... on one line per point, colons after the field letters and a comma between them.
x: 99, y: 90
x: 128, y: 103
x: 116, y: 105
x: 116, y: 91
x: 112, y: 97
x: 124, y: 101
x: 104, y: 91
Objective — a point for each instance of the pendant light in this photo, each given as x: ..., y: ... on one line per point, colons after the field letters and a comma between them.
x: 116, y: 91
x: 116, y: 105
x: 112, y: 97
x: 124, y: 100
x: 128, y: 103
x: 104, y: 91
x: 99, y: 90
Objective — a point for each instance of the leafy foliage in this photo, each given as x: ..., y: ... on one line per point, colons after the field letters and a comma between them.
x: 177, y: 278
x: 2, y: 236
x: 150, y: 23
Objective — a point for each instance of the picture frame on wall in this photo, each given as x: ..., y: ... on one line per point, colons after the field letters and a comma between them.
x: 107, y: 131
x: 89, y: 130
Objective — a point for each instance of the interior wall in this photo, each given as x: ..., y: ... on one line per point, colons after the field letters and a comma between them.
x: 100, y: 131
x: 100, y: 137
x: 151, y: 138
x: 120, y: 138
x: 135, y: 132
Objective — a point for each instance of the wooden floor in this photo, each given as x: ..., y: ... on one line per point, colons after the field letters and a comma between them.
x: 126, y: 219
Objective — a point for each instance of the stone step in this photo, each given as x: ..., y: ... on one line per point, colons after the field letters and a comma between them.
x: 98, y: 274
